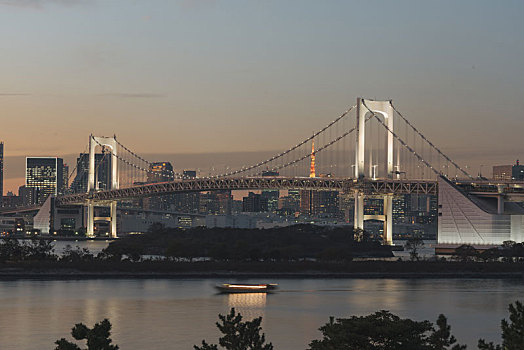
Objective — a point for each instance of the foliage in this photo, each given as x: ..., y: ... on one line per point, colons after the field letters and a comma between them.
x: 13, y: 249
x: 512, y: 331
x: 76, y: 254
x: 238, y: 335
x: 97, y: 337
x: 385, y: 331
x: 290, y: 243
x: 413, y: 245
x: 465, y: 253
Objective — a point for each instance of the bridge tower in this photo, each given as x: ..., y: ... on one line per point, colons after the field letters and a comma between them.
x: 92, y: 184
x: 385, y: 109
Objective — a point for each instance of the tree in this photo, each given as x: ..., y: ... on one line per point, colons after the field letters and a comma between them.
x: 385, y: 331
x: 360, y: 235
x: 97, y: 337
x: 441, y: 338
x: 413, y: 245
x: 238, y: 335
x: 465, y: 253
x: 512, y: 331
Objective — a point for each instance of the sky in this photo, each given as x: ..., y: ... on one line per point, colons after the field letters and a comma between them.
x: 204, y: 76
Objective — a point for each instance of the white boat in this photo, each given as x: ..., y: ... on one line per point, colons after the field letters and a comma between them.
x: 246, y: 288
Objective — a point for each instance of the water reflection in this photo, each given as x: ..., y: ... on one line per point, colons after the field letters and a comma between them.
x: 250, y: 305
x: 251, y: 300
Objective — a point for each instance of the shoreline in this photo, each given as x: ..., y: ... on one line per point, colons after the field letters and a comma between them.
x: 83, y: 275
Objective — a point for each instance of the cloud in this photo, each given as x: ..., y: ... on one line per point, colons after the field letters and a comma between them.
x: 134, y: 95
x: 39, y: 4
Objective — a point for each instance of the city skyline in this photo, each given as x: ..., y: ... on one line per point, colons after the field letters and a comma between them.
x: 179, y: 78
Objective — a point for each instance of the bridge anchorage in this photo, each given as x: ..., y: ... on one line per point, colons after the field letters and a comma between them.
x: 370, y: 150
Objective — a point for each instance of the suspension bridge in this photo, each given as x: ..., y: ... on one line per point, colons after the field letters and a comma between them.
x: 371, y: 149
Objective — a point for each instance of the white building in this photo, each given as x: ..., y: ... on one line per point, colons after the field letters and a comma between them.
x: 466, y: 218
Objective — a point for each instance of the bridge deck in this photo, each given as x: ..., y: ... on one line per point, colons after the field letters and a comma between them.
x: 256, y: 183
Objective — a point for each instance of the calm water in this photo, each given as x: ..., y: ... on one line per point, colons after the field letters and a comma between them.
x: 175, y: 314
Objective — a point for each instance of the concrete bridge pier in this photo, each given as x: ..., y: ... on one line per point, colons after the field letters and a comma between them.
x: 386, y: 217
x: 90, y: 225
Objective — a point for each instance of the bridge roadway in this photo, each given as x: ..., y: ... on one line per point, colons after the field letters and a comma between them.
x: 370, y: 187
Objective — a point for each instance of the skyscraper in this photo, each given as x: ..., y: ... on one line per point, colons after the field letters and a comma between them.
x: 254, y: 203
x: 271, y: 196
x: 187, y: 202
x: 160, y: 172
x: 45, y: 175
x: 1, y: 171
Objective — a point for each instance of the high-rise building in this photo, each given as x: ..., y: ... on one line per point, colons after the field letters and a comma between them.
x: 321, y: 203
x: 254, y: 203
x: 509, y: 172
x: 65, y: 179
x: 187, y: 202
x: 517, y: 171
x: 1, y: 171
x: 217, y: 202
x: 27, y: 195
x: 45, y: 175
x: 502, y: 172
x: 271, y: 196
x: 160, y: 172
x: 102, y: 172
x: 190, y: 173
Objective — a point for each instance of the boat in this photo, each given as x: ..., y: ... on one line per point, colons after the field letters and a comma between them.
x: 246, y: 288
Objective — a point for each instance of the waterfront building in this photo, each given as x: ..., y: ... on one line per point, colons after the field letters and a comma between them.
x: 45, y: 175
x: 509, y: 172
x: 471, y: 219
x: 517, y: 172
x: 502, y: 172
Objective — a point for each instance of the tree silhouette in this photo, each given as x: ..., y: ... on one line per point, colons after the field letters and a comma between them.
x: 238, y: 335
x: 413, y: 245
x: 512, y: 332
x: 385, y: 331
x: 97, y: 337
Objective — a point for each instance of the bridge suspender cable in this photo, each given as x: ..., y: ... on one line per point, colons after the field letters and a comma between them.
x: 400, y: 140
x: 243, y: 170
x: 429, y: 142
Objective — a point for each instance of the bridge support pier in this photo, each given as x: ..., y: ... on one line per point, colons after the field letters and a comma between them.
x: 90, y: 225
x: 358, y: 222
x: 387, y: 218
x: 112, y: 229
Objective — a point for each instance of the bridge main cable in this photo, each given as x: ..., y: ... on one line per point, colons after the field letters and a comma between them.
x: 243, y: 170
x: 429, y: 142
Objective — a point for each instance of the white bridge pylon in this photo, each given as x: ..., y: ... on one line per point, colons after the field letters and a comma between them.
x: 384, y: 108
x: 92, y: 184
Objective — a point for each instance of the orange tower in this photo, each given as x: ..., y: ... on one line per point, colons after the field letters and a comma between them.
x: 312, y: 168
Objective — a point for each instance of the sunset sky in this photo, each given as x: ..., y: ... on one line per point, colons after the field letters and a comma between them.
x: 204, y: 76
